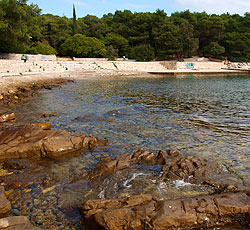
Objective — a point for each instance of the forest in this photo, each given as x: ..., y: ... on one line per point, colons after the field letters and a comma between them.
x: 139, y: 35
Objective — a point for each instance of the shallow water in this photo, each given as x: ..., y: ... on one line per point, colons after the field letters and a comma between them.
x: 204, y: 116
x: 207, y: 116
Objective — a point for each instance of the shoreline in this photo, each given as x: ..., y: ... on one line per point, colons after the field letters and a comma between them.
x: 15, y: 86
x: 27, y: 84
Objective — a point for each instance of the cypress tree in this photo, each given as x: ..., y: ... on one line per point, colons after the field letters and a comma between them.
x: 74, y: 21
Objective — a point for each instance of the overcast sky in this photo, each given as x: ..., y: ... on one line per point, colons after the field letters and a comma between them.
x: 100, y: 7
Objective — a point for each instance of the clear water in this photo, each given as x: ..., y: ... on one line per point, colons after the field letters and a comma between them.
x: 203, y: 116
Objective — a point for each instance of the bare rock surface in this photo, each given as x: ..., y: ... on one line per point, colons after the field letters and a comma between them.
x: 4, y: 117
x: 191, y: 169
x: 144, y: 212
x: 16, y: 223
x: 228, y: 203
x: 4, y: 204
x: 31, y: 141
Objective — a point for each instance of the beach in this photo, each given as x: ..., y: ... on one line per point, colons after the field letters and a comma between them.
x: 84, y: 141
x: 16, y: 75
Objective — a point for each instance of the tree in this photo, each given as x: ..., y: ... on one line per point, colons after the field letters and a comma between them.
x: 117, y: 42
x: 41, y: 48
x: 17, y: 25
x: 112, y: 53
x: 214, y: 49
x: 143, y: 53
x: 55, y: 29
x: 74, y: 21
x: 81, y: 46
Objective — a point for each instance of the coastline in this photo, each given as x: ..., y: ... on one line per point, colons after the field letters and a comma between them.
x: 54, y: 196
x: 18, y: 79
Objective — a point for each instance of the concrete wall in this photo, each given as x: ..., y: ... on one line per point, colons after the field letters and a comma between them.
x: 201, y: 65
x: 174, y: 65
x: 31, y: 57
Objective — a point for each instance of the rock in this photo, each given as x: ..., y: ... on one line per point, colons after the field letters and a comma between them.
x: 31, y: 176
x: 29, y: 141
x: 4, y: 117
x: 16, y: 223
x: 226, y: 202
x: 107, y: 166
x: 144, y: 212
x: 4, y: 204
x: 44, y: 126
x: 189, y: 168
x: 19, y: 164
x: 164, y: 157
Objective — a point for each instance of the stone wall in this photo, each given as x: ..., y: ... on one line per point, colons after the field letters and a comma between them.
x: 171, y: 65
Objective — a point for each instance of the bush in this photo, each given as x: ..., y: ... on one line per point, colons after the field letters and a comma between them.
x: 112, y: 53
x: 214, y: 49
x: 40, y: 48
x: 143, y: 53
x: 81, y: 46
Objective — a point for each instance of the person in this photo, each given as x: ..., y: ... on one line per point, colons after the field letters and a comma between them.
x: 24, y: 58
x: 124, y: 58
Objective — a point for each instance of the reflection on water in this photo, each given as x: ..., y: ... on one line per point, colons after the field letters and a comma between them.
x: 207, y: 116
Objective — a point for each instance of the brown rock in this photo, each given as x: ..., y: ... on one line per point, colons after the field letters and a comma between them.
x: 44, y: 126
x: 189, y: 168
x: 107, y: 166
x: 22, y: 141
x: 144, y: 212
x: 27, y: 178
x: 4, y: 204
x: 144, y: 157
x: 16, y: 223
x: 7, y: 117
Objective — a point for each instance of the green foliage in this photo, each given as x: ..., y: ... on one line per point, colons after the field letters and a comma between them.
x: 118, y: 42
x: 214, y: 49
x: 143, y: 53
x: 180, y: 35
x: 112, y: 53
x: 81, y: 46
x: 40, y: 48
x: 55, y: 29
x: 17, y: 25
x: 74, y: 21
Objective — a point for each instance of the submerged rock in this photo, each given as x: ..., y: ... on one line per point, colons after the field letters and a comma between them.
x: 30, y: 141
x: 4, y: 117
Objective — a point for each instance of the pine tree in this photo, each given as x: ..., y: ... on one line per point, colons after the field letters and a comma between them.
x: 74, y: 21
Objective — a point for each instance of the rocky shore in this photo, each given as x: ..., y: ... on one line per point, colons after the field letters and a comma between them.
x: 129, y: 186
x: 22, y: 148
x: 141, y: 190
x: 228, y: 204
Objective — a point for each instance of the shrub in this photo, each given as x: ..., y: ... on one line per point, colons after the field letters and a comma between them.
x: 143, y: 53
x: 81, y: 46
x: 40, y: 48
x: 214, y: 49
x: 112, y: 53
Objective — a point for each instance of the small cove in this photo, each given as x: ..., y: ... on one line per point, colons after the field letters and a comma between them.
x: 203, y: 116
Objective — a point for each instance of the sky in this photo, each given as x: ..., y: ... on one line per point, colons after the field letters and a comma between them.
x: 101, y: 7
